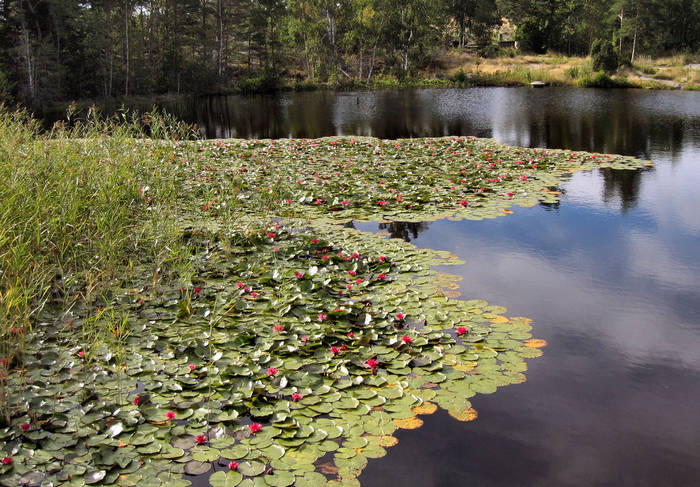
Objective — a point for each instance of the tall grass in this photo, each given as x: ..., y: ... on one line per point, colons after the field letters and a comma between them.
x: 75, y: 203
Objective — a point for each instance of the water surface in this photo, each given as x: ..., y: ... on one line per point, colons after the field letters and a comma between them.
x: 610, y: 276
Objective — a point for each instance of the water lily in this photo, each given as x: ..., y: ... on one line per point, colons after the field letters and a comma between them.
x: 272, y: 371
x: 335, y: 350
x: 400, y: 316
x: 137, y: 400
x: 372, y: 363
x: 278, y: 328
x: 407, y: 339
x: 232, y: 465
x: 461, y: 330
x: 170, y: 415
x: 322, y: 317
x: 255, y: 428
x: 25, y: 426
x: 381, y: 276
x: 296, y: 396
x: 7, y: 460
x: 201, y: 439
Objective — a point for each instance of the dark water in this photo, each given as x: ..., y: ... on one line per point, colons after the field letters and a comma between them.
x: 610, y: 276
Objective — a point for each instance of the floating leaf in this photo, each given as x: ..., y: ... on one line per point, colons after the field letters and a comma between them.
x: 225, y: 479
x: 195, y: 467
x: 409, y: 423
x: 464, y: 415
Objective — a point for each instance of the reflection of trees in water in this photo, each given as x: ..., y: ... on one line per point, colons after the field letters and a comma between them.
x: 551, y: 206
x: 404, y: 230
x: 622, y: 184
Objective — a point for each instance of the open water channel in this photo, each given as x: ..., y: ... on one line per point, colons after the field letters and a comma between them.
x: 610, y: 277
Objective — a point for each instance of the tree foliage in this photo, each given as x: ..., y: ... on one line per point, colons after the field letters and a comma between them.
x: 57, y: 50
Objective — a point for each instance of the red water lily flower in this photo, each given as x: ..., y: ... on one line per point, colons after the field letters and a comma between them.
x: 254, y: 294
x: 137, y: 400
x: 359, y: 280
x: 335, y: 350
x: 461, y: 330
x: 25, y: 426
x: 296, y: 396
x: 381, y: 276
x: 201, y: 439
x: 355, y: 255
x: 192, y: 366
x: 81, y: 354
x: 278, y: 328
x: 198, y: 289
x: 372, y: 363
x: 255, y: 428
x: 321, y: 317
x: 271, y: 235
x: 272, y: 371
x: 400, y: 316
x: 233, y: 465
x: 351, y: 335
x: 7, y: 460
x: 382, y: 258
x: 299, y: 275
x: 407, y: 339
x: 170, y: 415
x: 352, y: 273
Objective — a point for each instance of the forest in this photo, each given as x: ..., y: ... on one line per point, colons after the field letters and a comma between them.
x: 59, y: 50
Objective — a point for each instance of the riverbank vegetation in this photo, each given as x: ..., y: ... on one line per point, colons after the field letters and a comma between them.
x: 55, y: 51
x: 176, y: 307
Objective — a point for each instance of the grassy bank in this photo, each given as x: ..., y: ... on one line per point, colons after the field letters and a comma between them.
x: 456, y: 68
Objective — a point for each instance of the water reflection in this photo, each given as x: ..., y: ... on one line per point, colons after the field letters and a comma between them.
x: 622, y: 186
x: 406, y: 231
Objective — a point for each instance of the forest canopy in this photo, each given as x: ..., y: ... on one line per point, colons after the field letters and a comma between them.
x: 56, y: 50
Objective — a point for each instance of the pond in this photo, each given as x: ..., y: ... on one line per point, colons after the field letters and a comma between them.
x: 610, y: 276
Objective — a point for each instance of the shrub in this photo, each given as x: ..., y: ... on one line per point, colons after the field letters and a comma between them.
x: 460, y: 76
x: 603, y: 80
x: 604, y: 56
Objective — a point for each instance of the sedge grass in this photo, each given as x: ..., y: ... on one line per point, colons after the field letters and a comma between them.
x: 76, y: 203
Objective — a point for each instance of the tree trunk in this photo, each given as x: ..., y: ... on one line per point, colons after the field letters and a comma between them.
x: 622, y: 19
x: 109, y: 62
x: 634, y: 42
x: 28, y: 54
x: 126, y: 47
x: 219, y: 60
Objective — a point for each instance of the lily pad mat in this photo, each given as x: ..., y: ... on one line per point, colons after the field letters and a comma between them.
x: 294, y: 350
x: 342, y: 179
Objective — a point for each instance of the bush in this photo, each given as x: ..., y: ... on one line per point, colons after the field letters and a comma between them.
x: 602, y: 80
x: 604, y: 56
x: 460, y: 76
